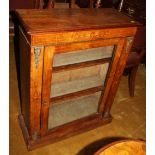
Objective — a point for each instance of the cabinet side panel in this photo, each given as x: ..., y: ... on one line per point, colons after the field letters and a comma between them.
x: 31, y: 64
x: 25, y: 78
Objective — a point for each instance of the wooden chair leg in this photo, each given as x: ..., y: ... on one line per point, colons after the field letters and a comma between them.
x: 131, y: 80
x: 50, y: 4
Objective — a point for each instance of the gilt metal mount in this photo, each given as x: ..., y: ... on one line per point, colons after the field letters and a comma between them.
x: 129, y: 41
x: 37, y: 52
x: 35, y: 136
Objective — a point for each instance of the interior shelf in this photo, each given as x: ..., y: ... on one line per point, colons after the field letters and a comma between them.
x: 74, y: 86
x: 68, y: 111
x: 81, y: 64
x: 82, y: 56
x: 79, y: 79
x: 80, y: 93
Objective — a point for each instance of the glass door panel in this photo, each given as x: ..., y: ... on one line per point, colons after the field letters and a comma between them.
x: 78, y: 79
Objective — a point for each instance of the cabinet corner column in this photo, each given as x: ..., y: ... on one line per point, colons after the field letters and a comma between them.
x: 36, y: 71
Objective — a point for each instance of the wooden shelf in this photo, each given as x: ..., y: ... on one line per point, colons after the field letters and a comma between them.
x: 68, y: 111
x: 64, y: 88
x: 76, y: 94
x: 82, y: 64
x: 78, y: 82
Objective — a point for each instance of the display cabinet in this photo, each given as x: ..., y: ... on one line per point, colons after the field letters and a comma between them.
x: 71, y: 62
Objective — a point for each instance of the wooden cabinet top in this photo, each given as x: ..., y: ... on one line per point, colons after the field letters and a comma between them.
x: 60, y: 20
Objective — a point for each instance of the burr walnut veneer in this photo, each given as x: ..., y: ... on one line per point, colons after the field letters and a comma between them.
x: 71, y: 62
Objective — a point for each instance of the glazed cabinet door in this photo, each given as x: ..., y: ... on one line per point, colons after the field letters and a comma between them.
x: 77, y: 79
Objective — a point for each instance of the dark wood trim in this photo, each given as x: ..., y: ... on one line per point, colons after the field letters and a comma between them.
x: 76, y: 94
x: 24, y: 129
x: 131, y: 80
x: 65, y: 131
x: 81, y: 64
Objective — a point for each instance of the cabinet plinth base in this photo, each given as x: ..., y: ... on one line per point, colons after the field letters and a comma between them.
x: 64, y: 131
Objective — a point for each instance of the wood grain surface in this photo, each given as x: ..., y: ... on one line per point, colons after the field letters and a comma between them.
x: 35, y: 20
x: 128, y: 147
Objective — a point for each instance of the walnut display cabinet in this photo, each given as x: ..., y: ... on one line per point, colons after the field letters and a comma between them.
x: 71, y: 62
